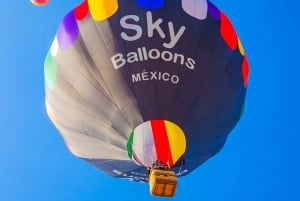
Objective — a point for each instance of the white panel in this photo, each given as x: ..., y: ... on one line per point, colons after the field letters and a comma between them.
x: 195, y: 8
x: 54, y: 47
x: 143, y: 144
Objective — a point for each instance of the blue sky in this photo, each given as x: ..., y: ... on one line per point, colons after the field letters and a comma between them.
x: 259, y: 162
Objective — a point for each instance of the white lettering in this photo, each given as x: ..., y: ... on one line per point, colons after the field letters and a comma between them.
x: 175, y: 79
x: 190, y: 63
x: 173, y: 37
x: 180, y: 56
x: 118, y: 60
x: 143, y: 54
x: 154, y: 75
x: 166, y: 76
x: 154, y: 54
x: 145, y: 75
x: 136, y: 28
x: 153, y: 26
x: 136, y: 77
x: 132, y: 57
x: 167, y: 56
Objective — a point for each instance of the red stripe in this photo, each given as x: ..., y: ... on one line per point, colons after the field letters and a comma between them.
x: 161, y: 140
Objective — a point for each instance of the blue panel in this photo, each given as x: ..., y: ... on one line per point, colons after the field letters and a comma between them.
x: 151, y: 4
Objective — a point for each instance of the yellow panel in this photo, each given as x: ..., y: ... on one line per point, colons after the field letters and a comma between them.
x: 242, y: 51
x: 102, y: 9
x: 176, y: 140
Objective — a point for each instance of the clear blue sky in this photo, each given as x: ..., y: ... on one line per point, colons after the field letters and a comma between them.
x: 259, y: 162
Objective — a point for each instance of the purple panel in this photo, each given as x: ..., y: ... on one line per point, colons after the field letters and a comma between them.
x: 213, y: 11
x: 68, y: 31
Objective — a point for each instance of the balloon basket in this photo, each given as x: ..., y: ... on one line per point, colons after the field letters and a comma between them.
x: 162, y: 183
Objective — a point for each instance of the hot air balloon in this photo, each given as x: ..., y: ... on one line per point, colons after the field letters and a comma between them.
x: 141, y: 85
x: 39, y: 2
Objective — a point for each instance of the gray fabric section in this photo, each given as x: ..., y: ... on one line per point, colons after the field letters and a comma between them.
x: 91, y: 100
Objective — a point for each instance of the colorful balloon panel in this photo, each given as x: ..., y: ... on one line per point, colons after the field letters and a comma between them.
x: 131, y: 82
x: 40, y: 2
x: 157, y: 140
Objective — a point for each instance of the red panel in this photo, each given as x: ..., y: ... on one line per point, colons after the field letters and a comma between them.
x: 161, y: 141
x: 81, y: 11
x: 246, y: 70
x: 228, y: 33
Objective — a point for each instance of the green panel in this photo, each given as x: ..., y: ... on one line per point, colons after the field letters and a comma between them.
x: 50, y: 70
x: 243, y: 110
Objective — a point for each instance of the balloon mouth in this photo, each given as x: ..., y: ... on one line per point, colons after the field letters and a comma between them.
x: 154, y: 140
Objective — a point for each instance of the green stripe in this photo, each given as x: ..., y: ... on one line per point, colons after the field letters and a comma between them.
x: 129, y: 145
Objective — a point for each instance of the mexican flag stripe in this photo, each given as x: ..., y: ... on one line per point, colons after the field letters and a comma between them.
x: 161, y: 141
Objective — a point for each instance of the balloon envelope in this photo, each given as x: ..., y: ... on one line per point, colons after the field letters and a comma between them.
x: 40, y: 2
x: 130, y: 82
